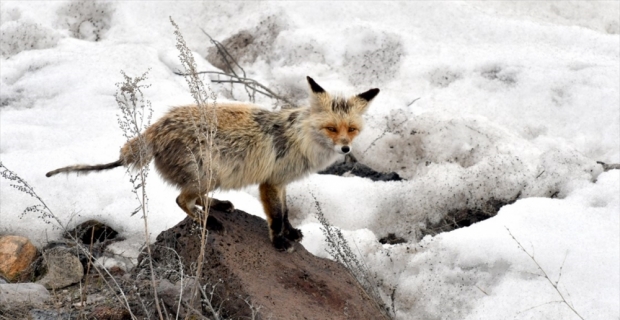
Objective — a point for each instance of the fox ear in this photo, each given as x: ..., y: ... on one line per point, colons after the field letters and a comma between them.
x: 320, y: 100
x: 362, y: 100
x: 369, y: 95
x: 314, y: 86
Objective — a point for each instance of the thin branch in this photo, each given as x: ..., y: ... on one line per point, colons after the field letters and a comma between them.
x: 540, y: 305
x: 412, y: 102
x: 485, y: 293
x: 385, y: 131
x: 246, y: 82
x: 554, y: 285
x: 224, y: 53
x: 562, y: 266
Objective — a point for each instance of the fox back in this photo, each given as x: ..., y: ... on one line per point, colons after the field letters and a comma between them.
x: 253, y: 145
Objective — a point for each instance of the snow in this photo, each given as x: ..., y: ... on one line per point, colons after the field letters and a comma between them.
x: 480, y: 101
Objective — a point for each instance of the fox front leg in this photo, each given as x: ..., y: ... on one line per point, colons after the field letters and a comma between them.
x: 271, y: 197
x: 289, y: 232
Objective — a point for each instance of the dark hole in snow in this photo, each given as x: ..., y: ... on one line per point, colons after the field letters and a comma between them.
x: 460, y: 218
x: 92, y: 231
x: 391, y: 238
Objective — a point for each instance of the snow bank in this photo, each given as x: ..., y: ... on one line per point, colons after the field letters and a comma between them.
x: 480, y: 102
x: 479, y: 272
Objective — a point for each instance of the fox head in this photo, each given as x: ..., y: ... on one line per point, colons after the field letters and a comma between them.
x: 336, y: 120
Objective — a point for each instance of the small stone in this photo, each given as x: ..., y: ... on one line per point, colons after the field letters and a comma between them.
x: 16, y: 256
x: 170, y: 294
x: 63, y: 268
x: 31, y: 294
x: 108, y: 313
x: 37, y: 314
x: 167, y: 292
x: 94, y: 298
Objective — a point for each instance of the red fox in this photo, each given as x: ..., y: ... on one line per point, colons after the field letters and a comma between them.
x: 250, y: 146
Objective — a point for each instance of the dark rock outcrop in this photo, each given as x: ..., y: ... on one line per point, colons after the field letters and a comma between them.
x: 244, y: 269
x: 360, y: 170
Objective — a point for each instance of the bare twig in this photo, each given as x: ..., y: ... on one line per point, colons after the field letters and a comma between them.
x: 554, y: 285
x: 253, y: 309
x: 485, y: 293
x: 338, y: 247
x: 385, y: 131
x: 540, y: 305
x: 208, y: 301
x: 246, y: 82
x: 234, y: 78
x: 412, y: 102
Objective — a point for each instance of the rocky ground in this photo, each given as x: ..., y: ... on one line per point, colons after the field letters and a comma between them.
x: 242, y: 276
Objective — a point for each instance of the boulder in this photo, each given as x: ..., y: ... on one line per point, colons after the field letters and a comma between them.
x: 354, y: 168
x: 63, y: 268
x: 243, y: 274
x: 23, y: 294
x: 17, y: 255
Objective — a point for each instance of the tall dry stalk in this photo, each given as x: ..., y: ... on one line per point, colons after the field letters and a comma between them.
x: 136, y: 113
x: 338, y: 248
x: 205, y: 131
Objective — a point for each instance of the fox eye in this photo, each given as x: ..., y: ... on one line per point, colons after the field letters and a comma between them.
x: 332, y: 129
x: 352, y: 129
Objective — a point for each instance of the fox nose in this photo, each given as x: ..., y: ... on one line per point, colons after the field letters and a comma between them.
x: 345, y: 149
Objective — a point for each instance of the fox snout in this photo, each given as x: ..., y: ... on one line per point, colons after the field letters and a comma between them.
x: 342, y: 149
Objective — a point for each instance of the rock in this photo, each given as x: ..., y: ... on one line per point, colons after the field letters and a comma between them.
x: 38, y: 314
x: 17, y: 255
x: 24, y: 294
x: 109, y: 313
x: 242, y: 268
x: 360, y: 170
x: 63, y: 268
x: 247, y: 45
x: 235, y: 46
x: 391, y: 238
x: 171, y: 293
x: 609, y: 166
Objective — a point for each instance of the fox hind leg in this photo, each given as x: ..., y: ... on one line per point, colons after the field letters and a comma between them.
x: 222, y: 205
x: 188, y: 202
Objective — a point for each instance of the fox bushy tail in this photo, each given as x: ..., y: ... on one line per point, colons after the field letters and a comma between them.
x: 136, y: 153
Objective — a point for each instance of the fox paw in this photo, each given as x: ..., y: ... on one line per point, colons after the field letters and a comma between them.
x: 222, y: 205
x: 282, y: 244
x: 293, y: 234
x: 197, y: 214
